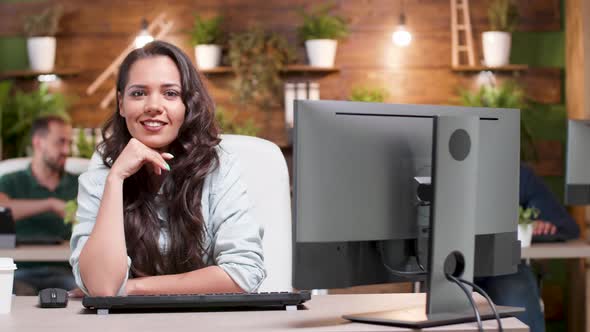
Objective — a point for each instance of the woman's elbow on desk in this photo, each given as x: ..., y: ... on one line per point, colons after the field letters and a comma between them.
x: 103, y: 282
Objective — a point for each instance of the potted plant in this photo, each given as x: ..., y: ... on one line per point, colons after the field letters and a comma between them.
x: 229, y: 125
x: 206, y: 36
x: 526, y: 217
x: 257, y: 57
x: 20, y: 112
x: 506, y: 95
x: 371, y: 95
x: 40, y: 31
x: 503, y: 17
x: 321, y: 32
x: 70, y: 212
x: 85, y: 145
x: 5, y: 87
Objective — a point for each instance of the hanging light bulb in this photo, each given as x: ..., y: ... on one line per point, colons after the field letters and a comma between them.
x: 144, y: 36
x: 401, y: 36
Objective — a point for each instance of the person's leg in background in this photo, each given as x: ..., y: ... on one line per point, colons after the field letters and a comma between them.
x: 34, y: 279
x: 517, y: 290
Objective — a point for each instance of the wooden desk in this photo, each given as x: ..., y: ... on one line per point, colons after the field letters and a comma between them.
x: 569, y: 249
x: 37, y: 253
x: 323, y: 314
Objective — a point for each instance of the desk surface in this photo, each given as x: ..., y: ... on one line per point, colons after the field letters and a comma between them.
x: 38, y: 253
x: 323, y: 314
x: 568, y: 249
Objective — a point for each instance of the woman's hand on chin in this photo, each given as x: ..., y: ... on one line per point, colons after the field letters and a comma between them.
x: 134, y: 156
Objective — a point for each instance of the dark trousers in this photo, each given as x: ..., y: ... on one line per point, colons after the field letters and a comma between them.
x: 30, y: 280
x: 517, y: 290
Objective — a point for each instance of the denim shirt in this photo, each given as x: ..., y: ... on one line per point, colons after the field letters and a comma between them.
x: 233, y: 238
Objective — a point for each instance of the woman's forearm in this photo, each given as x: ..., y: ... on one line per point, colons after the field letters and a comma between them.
x: 212, y: 279
x: 103, y: 261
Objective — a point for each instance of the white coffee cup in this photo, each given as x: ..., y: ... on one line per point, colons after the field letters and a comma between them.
x: 7, y: 268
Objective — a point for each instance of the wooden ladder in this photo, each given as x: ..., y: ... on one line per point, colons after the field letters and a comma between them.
x: 460, y: 9
x: 159, y: 22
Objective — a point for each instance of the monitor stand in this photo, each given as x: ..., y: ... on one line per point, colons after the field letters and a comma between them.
x: 452, y: 232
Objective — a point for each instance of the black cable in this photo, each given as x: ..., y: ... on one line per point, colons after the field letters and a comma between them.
x: 484, y: 294
x: 397, y: 272
x: 416, y: 251
x: 468, y: 294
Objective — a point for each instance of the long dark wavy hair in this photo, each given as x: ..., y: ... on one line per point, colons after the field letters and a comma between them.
x: 195, y: 156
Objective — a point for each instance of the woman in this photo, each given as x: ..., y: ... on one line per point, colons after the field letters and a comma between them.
x: 165, y: 212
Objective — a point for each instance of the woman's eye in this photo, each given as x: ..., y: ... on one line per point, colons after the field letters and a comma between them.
x: 137, y: 93
x: 171, y: 93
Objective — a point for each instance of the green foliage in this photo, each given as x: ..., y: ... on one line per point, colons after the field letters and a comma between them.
x: 229, y: 124
x: 70, y: 209
x: 319, y: 24
x: 20, y: 112
x: 85, y: 145
x: 503, y: 15
x: 506, y: 95
x: 375, y: 95
x: 257, y: 57
x: 5, y: 87
x: 44, y: 24
x: 528, y: 215
x: 207, y: 31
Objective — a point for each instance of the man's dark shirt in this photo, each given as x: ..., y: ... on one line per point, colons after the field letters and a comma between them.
x: 23, y: 185
x: 534, y: 193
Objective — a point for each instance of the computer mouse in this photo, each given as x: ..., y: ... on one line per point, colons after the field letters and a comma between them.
x: 53, y: 298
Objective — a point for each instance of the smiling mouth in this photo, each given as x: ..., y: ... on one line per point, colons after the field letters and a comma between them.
x: 153, y: 124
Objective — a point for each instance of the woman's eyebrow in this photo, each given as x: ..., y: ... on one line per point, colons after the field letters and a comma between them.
x: 141, y: 86
x: 169, y: 85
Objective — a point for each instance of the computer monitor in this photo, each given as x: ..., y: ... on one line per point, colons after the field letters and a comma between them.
x: 577, y: 174
x: 358, y: 168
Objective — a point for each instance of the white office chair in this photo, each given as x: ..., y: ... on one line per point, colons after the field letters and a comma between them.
x: 74, y: 165
x: 265, y: 173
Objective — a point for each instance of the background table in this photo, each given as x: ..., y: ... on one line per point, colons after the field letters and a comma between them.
x: 569, y: 249
x: 38, y: 253
x: 578, y: 251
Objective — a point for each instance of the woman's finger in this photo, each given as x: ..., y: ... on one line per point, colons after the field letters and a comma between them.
x: 158, y: 162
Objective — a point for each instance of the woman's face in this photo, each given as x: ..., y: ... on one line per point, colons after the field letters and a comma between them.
x: 151, y: 102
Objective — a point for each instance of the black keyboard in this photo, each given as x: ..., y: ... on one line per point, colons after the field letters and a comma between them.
x: 198, y: 301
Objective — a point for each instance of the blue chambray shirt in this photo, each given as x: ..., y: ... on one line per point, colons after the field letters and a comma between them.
x: 233, y: 238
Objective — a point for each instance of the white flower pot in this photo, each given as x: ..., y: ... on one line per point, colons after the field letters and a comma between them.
x: 208, y: 56
x: 41, y: 53
x: 525, y: 234
x: 496, y: 48
x: 321, y: 52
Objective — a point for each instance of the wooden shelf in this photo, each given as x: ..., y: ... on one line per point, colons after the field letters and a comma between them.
x: 289, y: 69
x: 310, y: 69
x: 484, y: 68
x: 31, y: 73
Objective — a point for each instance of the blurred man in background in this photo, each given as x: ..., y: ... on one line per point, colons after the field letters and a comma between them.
x: 37, y: 197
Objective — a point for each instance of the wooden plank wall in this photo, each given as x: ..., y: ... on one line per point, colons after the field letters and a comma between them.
x: 578, y: 107
x: 94, y: 32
